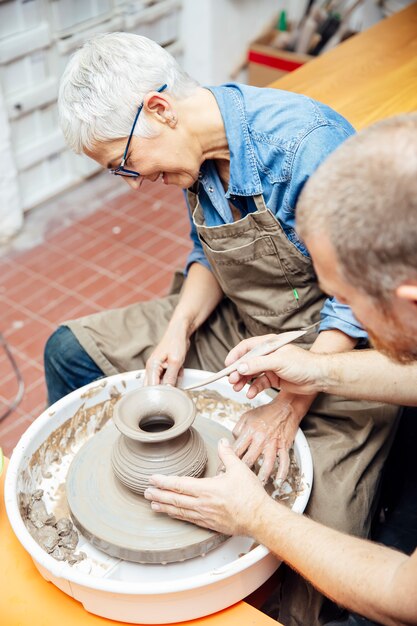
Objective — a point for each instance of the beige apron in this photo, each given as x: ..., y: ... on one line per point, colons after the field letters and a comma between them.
x: 269, y: 286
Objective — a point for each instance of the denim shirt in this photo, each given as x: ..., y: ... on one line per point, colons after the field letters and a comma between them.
x: 277, y: 139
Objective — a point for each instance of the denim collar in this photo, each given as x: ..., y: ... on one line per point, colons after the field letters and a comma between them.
x: 243, y: 178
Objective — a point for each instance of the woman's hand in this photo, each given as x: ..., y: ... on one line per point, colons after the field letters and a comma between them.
x: 269, y: 431
x: 200, y: 294
x: 225, y: 503
x: 166, y: 361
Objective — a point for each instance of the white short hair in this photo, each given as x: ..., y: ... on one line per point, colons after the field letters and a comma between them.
x: 106, y: 80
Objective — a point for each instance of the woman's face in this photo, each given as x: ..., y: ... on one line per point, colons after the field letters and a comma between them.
x: 163, y: 156
x: 174, y: 153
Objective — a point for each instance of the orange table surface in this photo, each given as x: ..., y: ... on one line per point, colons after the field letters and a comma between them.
x: 26, y: 599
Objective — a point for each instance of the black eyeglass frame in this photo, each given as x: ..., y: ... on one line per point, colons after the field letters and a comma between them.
x: 121, y: 170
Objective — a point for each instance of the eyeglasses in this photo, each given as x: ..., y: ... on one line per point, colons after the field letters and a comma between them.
x: 121, y: 170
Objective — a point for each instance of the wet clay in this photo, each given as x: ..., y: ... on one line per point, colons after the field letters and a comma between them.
x: 58, y: 537
x: 121, y: 522
x: 60, y: 447
x: 63, y: 440
x: 49, y: 529
x: 156, y: 437
x: 133, y: 462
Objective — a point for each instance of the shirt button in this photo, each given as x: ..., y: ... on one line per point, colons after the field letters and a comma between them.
x: 211, y: 189
x: 200, y: 176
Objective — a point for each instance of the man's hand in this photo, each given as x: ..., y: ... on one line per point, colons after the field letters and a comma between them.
x: 289, y: 368
x: 166, y: 361
x: 300, y: 374
x: 225, y: 503
x: 269, y: 431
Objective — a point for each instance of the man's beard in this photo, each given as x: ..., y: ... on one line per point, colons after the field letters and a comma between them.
x: 396, y: 346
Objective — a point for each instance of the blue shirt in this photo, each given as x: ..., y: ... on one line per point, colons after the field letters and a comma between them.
x: 277, y: 139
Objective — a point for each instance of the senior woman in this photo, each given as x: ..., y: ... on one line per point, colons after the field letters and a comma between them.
x: 243, y: 155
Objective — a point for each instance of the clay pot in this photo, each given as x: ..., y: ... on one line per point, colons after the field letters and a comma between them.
x: 156, y: 436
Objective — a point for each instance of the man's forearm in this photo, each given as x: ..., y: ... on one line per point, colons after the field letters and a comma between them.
x: 373, y: 580
x: 368, y: 375
x: 329, y: 342
x: 200, y: 295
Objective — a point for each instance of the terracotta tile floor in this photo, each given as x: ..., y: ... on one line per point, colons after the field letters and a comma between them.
x: 124, y: 251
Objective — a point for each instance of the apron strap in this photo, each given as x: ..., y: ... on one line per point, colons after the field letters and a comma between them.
x: 196, y: 209
x: 260, y: 203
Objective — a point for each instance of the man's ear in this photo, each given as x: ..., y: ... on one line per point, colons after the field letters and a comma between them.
x: 407, y: 292
x: 160, y: 107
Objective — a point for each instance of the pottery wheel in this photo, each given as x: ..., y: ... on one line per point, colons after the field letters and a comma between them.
x: 121, y: 522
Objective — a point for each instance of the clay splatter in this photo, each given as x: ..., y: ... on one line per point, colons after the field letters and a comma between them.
x: 59, y: 448
x: 58, y: 537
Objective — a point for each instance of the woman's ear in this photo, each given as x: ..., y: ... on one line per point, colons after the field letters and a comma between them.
x: 407, y: 292
x: 160, y: 107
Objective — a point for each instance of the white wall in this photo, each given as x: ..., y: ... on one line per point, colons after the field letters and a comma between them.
x: 11, y: 214
x: 216, y: 33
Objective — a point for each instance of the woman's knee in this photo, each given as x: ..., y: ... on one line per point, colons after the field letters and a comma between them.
x: 62, y: 349
x: 67, y: 365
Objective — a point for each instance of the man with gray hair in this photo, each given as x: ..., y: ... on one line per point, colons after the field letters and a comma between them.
x: 358, y: 217
x: 242, y: 155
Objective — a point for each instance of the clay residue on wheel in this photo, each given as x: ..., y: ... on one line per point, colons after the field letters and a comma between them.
x: 62, y: 444
x: 85, y: 422
x: 58, y: 537
x: 59, y: 448
x: 212, y: 405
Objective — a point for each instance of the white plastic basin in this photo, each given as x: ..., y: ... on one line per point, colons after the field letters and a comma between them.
x: 131, y: 592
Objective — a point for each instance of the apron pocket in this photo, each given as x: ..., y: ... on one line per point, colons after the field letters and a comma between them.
x: 253, y: 277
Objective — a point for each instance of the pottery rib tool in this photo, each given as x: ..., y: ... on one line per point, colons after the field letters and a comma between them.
x: 264, y: 348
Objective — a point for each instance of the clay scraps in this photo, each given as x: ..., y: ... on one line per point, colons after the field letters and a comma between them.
x: 58, y: 537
